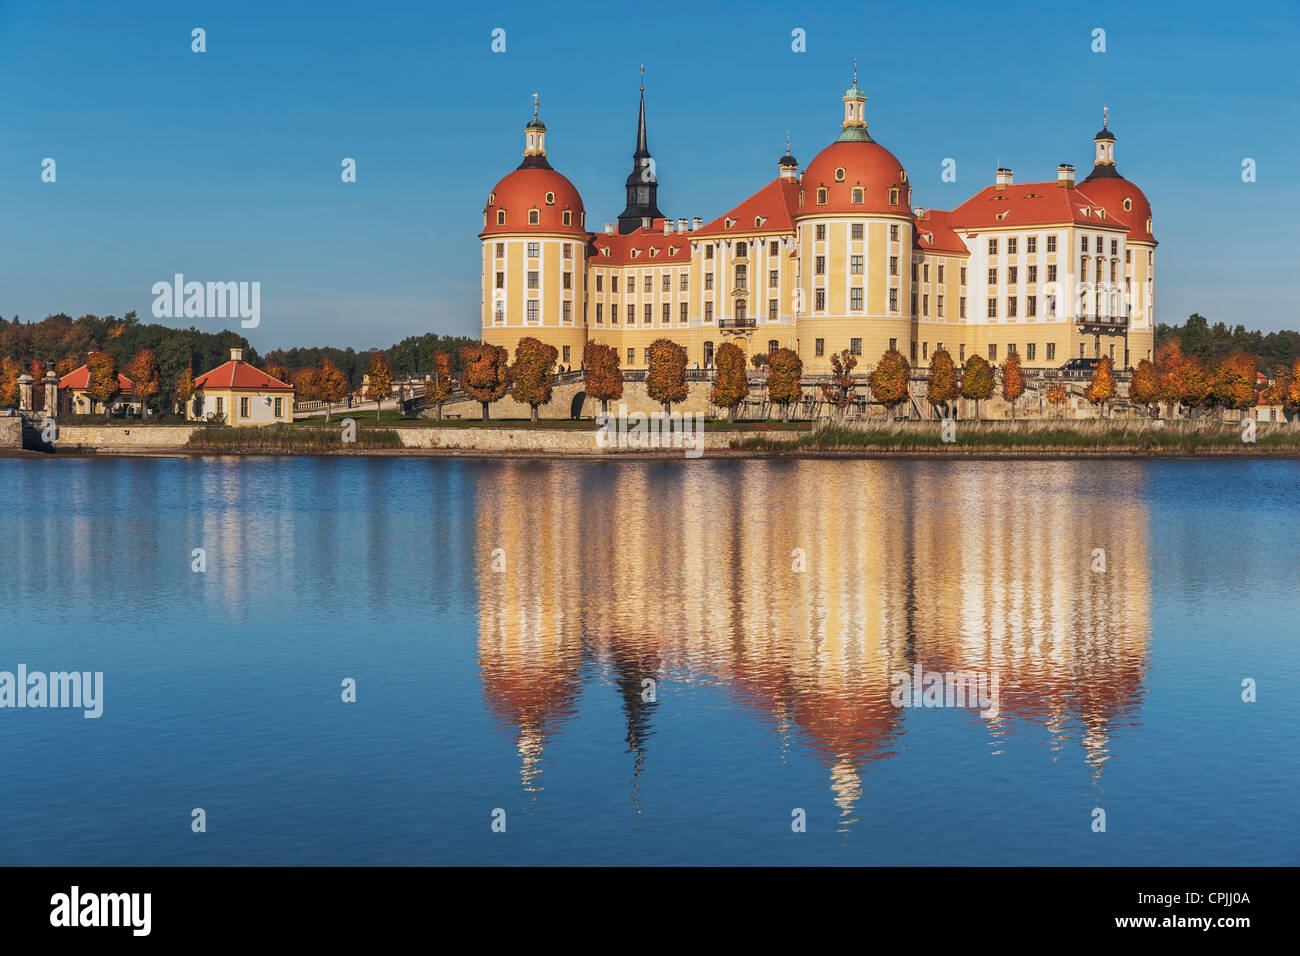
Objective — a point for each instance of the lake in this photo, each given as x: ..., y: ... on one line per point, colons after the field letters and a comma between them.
x: 653, y: 662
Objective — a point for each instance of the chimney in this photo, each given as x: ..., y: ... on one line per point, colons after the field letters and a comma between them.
x: 236, y: 355
x: 645, y: 222
x: 1002, y: 177
x: 681, y: 225
x: 668, y: 227
x: 918, y: 212
x: 609, y: 229
x: 1065, y: 176
x: 697, y: 223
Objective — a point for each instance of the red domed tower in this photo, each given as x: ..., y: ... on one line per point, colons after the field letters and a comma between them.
x: 534, y: 254
x: 854, y: 227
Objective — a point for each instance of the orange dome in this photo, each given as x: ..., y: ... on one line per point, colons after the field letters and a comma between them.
x: 1110, y: 192
x: 864, y: 164
x: 534, y: 187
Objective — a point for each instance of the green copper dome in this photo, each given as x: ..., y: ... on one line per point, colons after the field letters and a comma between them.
x: 854, y: 134
x: 855, y: 92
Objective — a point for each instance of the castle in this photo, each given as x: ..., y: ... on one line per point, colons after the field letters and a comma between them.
x: 831, y: 258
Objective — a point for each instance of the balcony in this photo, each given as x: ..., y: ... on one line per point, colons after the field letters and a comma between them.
x: 735, y: 323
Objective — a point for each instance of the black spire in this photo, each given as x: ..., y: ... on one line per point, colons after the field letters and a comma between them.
x: 642, y: 183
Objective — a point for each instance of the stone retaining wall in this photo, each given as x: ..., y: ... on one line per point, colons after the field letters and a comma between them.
x: 11, y: 432
x: 111, y: 437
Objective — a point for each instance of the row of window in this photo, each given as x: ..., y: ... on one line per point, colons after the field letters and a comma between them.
x: 535, y: 216
x: 244, y: 407
x: 1031, y: 245
x: 857, y: 195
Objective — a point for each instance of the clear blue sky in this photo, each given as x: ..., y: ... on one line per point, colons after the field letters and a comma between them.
x: 225, y: 165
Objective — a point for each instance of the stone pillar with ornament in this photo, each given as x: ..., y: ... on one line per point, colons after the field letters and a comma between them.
x: 25, y: 392
x: 51, y: 394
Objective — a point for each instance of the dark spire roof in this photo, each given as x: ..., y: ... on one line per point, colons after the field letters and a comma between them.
x: 787, y: 159
x: 642, y: 149
x: 642, y: 183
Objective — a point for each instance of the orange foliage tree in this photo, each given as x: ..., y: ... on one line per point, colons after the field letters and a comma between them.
x: 977, y: 381
x: 1292, y: 401
x: 784, y: 373
x: 330, y: 385
x: 731, y: 384
x: 1197, y: 384
x: 1013, y: 381
x: 145, y: 377
x: 839, y: 390
x: 66, y: 365
x: 1234, y: 382
x: 1056, y: 395
x: 601, y: 376
x: 943, y: 388
x: 441, y: 383
x: 1171, y: 373
x: 306, y: 385
x: 1101, y: 387
x: 185, y: 389
x: 531, y: 373
x: 487, y: 373
x: 380, y: 381
x: 103, y: 379
x: 1144, y: 388
x: 279, y: 373
x: 9, y: 372
x: 888, y: 381
x: 665, y: 382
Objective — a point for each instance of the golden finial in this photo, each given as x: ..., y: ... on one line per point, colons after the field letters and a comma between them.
x: 855, y: 71
x: 642, y: 77
x: 1105, y: 116
x: 535, y: 104
x: 787, y: 142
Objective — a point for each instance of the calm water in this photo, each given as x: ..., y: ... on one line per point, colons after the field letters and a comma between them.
x: 525, y: 689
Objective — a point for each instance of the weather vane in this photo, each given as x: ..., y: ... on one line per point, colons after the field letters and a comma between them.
x: 535, y: 102
x: 642, y: 77
x: 855, y: 71
x: 1105, y: 116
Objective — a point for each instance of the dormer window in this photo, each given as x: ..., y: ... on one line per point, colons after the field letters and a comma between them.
x: 1128, y: 204
x: 635, y: 252
x: 728, y: 223
x: 758, y: 221
x: 550, y: 199
x: 1087, y: 211
x: 902, y: 175
x: 801, y: 197
x: 534, y: 217
x: 492, y: 199
x: 893, y: 196
x: 653, y: 253
x: 672, y: 250
x: 1003, y: 215
x: 501, y: 217
x: 857, y: 195
x: 839, y: 174
x: 568, y: 218
x: 821, y: 195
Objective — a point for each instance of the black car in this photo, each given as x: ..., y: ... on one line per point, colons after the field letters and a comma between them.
x: 1081, y: 365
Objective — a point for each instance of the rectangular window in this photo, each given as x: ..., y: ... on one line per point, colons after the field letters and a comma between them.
x: 566, y: 312
x: 925, y: 305
x: 855, y: 265
x: 993, y: 247
x: 820, y: 346
x: 501, y: 249
x: 532, y: 311
x: 1033, y: 274
x: 533, y: 250
x: 684, y: 317
x: 1083, y: 243
x: 685, y: 283
x: 1051, y: 273
x: 708, y: 280
x: 821, y: 231
x: 1012, y: 274
x: 821, y: 266
x: 649, y: 313
x: 855, y: 299
x: 708, y: 311
x: 243, y: 407
x: 567, y: 282
x: 1031, y: 244
x: 646, y: 352
x: 1031, y: 351
x: 742, y: 277
x: 772, y: 279
x: 893, y: 345
x: 1083, y: 268
x: 913, y: 351
x: 820, y: 300
x: 855, y: 346
x: 631, y: 356
x: 742, y: 250
x: 961, y: 354
x: 668, y: 313
x: 600, y: 314
x: 646, y: 285
x: 1011, y: 247
x: 532, y: 280
x: 893, y: 300
x: 279, y: 408
x: 1051, y: 243
x: 962, y: 276
x: 1051, y: 351
x: 773, y: 248
x: 221, y: 406
x: 600, y: 282
x: 613, y: 284
x: 1012, y: 306
x: 925, y: 351
x: 773, y: 308
x: 993, y: 277
x: 708, y: 251
x: 893, y: 265
x: 1114, y: 247
x: 993, y: 353
x: 857, y: 230
x: 565, y: 355
x: 925, y: 272
x: 939, y: 306
x: 961, y: 307
x: 993, y: 308
x: 1031, y: 305
x: 501, y: 280
x: 668, y: 282
x: 893, y: 233
x: 1011, y: 349
x: 941, y: 274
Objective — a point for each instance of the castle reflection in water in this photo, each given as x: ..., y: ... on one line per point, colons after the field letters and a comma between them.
x: 683, y: 572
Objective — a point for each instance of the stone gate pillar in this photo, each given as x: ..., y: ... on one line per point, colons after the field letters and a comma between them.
x: 51, y: 394
x: 25, y: 392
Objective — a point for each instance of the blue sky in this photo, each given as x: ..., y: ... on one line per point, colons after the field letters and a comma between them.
x: 225, y: 165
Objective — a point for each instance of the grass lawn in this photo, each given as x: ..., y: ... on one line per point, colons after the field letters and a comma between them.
x: 390, y: 418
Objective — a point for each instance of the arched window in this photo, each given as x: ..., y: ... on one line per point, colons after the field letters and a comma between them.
x: 893, y: 196
x: 534, y: 217
x: 501, y: 217
x: 821, y: 195
x: 857, y: 195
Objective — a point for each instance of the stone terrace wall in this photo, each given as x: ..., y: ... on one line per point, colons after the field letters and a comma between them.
x: 11, y: 432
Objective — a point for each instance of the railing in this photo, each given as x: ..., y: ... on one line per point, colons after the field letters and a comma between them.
x: 734, y: 323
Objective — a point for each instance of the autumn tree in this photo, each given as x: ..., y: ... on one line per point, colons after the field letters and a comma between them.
x: 380, y: 378
x: 665, y: 381
x: 279, y: 373
x: 977, y: 381
x: 9, y: 392
x: 1234, y: 382
x: 759, y: 360
x: 1101, y: 387
x: 1171, y: 374
x: 441, y: 382
x: 943, y: 387
x: 144, y: 375
x: 531, y: 373
x: 66, y: 365
x: 1013, y: 381
x: 487, y: 373
x: 185, y: 389
x: 1056, y: 395
x: 731, y: 383
x: 784, y: 376
x: 601, y: 376
x: 1144, y: 388
x: 104, y: 387
x: 330, y: 385
x: 1197, y: 384
x: 839, y: 390
x: 888, y: 381
x: 1292, y: 402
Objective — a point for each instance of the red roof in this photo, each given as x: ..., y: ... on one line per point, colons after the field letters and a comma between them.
x: 867, y: 165
x: 526, y: 189
x: 642, y: 246
x: 934, y: 233
x: 80, y: 379
x: 1036, y: 204
x: 771, y: 209
x: 1111, y: 191
x: 240, y: 375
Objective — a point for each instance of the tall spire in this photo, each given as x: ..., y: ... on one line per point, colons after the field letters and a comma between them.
x: 642, y: 183
x: 535, y: 140
x: 854, y: 127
